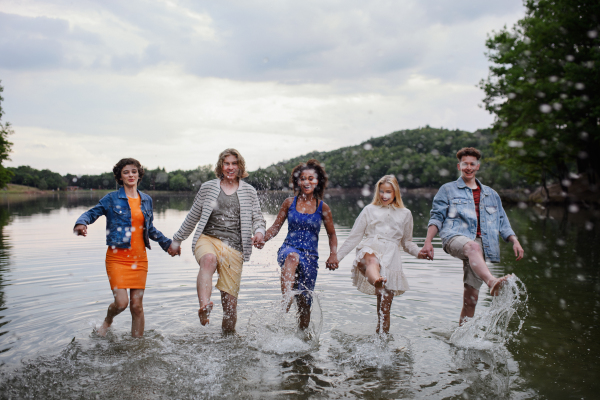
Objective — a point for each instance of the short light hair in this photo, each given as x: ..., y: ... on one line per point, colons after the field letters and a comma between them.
x: 391, y: 179
x: 241, y: 163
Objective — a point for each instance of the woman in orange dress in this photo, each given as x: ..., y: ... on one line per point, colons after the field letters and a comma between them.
x: 128, y: 230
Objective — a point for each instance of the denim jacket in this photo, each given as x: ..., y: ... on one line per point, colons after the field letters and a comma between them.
x: 118, y: 220
x: 453, y: 212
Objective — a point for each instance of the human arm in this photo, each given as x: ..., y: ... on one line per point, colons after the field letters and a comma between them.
x: 427, y: 249
x: 279, y: 220
x: 191, y: 219
x: 332, y: 262
x: 517, y: 248
x: 90, y: 216
x: 355, y: 236
x: 407, y: 236
x: 258, y: 222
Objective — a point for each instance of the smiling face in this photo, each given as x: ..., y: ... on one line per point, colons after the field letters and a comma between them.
x: 130, y: 175
x: 308, y: 181
x: 386, y: 193
x: 468, y: 167
x: 230, y: 168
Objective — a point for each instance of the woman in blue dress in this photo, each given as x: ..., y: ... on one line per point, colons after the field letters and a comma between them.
x: 298, y: 256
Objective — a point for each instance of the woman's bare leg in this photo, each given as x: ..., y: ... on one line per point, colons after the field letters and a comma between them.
x: 137, y: 312
x: 372, y: 272
x: 384, y: 306
x: 208, y: 266
x: 288, y: 277
x: 303, y: 312
x: 114, y: 309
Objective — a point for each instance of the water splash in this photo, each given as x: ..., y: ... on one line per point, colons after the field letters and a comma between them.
x: 273, y: 330
x: 498, y: 323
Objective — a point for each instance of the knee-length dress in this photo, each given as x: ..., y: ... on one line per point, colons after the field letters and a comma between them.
x: 303, y: 239
x: 128, y: 268
x: 382, y: 231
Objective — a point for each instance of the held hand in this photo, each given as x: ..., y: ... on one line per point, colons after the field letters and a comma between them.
x: 258, y: 240
x: 426, y: 251
x: 80, y: 230
x: 422, y: 256
x: 332, y: 262
x: 174, y: 249
x: 519, y: 252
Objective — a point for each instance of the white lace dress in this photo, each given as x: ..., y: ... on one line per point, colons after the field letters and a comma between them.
x: 381, y: 230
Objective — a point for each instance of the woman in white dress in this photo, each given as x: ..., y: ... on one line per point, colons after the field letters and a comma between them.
x: 380, y: 230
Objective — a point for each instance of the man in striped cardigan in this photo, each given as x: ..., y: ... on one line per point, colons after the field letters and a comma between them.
x: 228, y: 221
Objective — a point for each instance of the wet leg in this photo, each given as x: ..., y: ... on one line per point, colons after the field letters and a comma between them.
x: 474, y: 253
x: 372, y: 272
x: 303, y: 312
x: 208, y: 266
x: 288, y: 277
x: 229, y: 313
x: 470, y: 297
x: 137, y: 312
x: 115, y: 308
x: 384, y: 306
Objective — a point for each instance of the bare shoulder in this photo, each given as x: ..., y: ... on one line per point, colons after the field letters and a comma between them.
x: 326, y: 207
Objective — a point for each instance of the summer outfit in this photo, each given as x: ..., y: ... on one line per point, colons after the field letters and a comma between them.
x: 462, y: 214
x: 381, y: 231
x: 303, y: 239
x: 128, y: 268
x: 129, y: 228
x: 222, y: 237
x: 233, y: 229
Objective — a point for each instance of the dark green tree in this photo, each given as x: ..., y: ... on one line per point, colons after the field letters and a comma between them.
x: 543, y: 87
x: 5, y: 145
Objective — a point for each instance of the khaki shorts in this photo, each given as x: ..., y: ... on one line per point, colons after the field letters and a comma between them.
x: 229, y: 263
x: 456, y: 248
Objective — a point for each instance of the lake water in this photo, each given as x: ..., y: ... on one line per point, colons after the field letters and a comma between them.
x: 54, y: 290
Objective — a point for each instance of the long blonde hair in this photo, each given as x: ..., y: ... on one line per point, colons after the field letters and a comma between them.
x: 241, y: 163
x: 391, y: 179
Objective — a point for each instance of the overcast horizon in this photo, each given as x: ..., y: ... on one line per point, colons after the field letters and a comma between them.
x: 173, y: 83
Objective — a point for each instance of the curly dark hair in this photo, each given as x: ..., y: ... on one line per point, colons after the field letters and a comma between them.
x: 468, y: 151
x: 122, y: 163
x: 321, y: 174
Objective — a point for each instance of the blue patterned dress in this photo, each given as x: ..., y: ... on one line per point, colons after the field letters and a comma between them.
x: 303, y: 239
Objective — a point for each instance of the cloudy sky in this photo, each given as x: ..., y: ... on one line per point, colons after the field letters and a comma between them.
x: 173, y: 83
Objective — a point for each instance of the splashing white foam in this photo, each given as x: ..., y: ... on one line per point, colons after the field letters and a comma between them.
x: 273, y: 330
x: 498, y: 323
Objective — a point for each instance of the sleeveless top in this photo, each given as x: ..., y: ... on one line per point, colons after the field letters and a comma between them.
x: 303, y: 229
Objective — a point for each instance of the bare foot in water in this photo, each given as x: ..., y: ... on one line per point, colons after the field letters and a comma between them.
x: 204, y: 313
x: 103, y: 329
x: 497, y: 285
x: 380, y: 282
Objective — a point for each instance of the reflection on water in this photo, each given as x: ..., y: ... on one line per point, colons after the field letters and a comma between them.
x: 53, y: 289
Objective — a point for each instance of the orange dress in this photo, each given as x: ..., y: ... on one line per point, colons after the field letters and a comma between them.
x: 127, y: 268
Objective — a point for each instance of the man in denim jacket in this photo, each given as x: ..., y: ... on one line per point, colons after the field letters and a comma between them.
x: 469, y: 217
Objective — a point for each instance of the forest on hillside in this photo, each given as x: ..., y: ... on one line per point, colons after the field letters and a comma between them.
x: 424, y: 157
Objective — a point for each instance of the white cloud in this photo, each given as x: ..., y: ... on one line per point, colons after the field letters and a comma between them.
x: 175, y: 82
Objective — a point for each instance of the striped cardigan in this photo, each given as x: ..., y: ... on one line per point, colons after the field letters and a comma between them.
x: 251, y: 218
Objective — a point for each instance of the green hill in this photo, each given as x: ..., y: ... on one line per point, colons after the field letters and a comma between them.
x: 424, y: 157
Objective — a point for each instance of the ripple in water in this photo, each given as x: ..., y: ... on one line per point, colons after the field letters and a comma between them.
x: 498, y: 323
x: 273, y: 330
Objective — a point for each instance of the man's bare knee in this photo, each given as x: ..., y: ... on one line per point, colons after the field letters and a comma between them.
x: 472, y: 247
x: 208, y: 260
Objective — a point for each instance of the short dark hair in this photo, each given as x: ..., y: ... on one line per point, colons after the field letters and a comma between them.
x: 122, y: 163
x: 468, y: 151
x: 321, y: 174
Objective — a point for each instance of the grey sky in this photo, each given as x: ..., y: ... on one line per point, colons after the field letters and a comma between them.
x: 172, y: 83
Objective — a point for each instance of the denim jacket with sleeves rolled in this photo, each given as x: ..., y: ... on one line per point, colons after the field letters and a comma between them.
x: 115, y: 207
x: 453, y: 212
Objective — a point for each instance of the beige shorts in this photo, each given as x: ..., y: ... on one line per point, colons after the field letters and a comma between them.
x: 229, y: 263
x: 456, y: 248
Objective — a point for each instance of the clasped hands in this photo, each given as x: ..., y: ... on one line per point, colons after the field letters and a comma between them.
x: 426, y: 252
